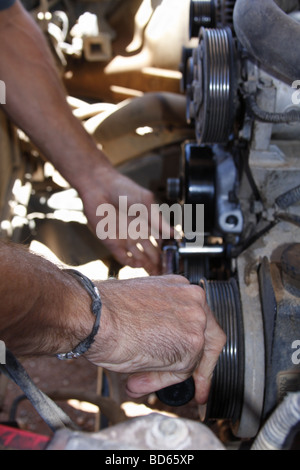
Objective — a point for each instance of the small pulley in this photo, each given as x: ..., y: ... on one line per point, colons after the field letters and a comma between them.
x: 202, y: 13
x: 210, y: 14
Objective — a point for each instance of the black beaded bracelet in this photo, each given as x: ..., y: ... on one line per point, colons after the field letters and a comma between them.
x: 96, y: 307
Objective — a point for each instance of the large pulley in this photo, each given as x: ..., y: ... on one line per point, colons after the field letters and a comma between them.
x: 214, y: 86
x: 227, y: 389
x: 214, y: 73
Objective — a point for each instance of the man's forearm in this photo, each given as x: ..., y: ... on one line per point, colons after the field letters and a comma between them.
x: 36, y: 99
x: 43, y: 310
x: 36, y: 102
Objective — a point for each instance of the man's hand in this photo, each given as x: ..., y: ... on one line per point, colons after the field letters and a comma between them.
x: 159, y: 330
x: 106, y: 186
x: 61, y: 137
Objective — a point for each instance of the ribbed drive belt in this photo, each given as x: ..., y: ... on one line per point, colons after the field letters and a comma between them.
x: 52, y: 414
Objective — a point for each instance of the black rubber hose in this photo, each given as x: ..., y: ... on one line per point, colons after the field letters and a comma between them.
x: 289, y: 198
x: 270, y: 36
x: 264, y: 116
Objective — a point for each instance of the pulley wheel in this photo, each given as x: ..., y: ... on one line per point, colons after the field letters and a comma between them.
x: 202, y: 13
x: 226, y: 394
x: 214, y: 86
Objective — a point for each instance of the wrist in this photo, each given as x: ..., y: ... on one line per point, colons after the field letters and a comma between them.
x: 70, y: 320
x: 95, y: 175
x: 45, y: 311
x: 67, y: 318
x: 96, y: 309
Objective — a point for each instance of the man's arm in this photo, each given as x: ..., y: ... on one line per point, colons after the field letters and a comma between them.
x: 157, y: 329
x: 36, y: 300
x: 36, y: 102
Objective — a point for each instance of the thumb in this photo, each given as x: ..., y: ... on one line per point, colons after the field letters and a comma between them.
x: 215, y: 340
x: 142, y: 384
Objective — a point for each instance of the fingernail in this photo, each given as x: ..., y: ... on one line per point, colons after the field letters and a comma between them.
x: 202, y: 412
x: 140, y: 384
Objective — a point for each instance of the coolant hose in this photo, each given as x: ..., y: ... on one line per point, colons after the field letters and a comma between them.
x: 270, y: 36
x: 275, y: 433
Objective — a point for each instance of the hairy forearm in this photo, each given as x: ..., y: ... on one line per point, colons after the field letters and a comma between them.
x: 43, y: 309
x: 36, y: 99
x: 36, y: 102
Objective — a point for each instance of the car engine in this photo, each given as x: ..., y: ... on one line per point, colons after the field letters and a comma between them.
x: 243, y: 166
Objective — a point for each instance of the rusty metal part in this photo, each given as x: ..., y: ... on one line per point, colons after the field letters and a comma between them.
x: 89, y: 80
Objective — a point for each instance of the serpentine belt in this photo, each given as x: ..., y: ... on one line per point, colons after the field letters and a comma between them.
x: 52, y: 414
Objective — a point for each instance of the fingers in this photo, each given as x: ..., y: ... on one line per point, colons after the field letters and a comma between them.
x: 160, y: 227
x: 176, y: 334
x: 139, y: 385
x: 144, y: 245
x: 136, y: 255
x: 215, y: 340
x: 145, y: 254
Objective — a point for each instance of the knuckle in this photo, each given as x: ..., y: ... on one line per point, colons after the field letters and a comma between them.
x: 222, y: 338
x: 180, y: 278
x: 175, y: 280
x: 199, y: 294
x: 197, y: 340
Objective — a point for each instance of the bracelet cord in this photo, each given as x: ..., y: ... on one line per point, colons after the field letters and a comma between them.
x: 96, y: 308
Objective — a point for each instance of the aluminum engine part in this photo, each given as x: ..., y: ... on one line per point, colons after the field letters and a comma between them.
x: 153, y: 431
